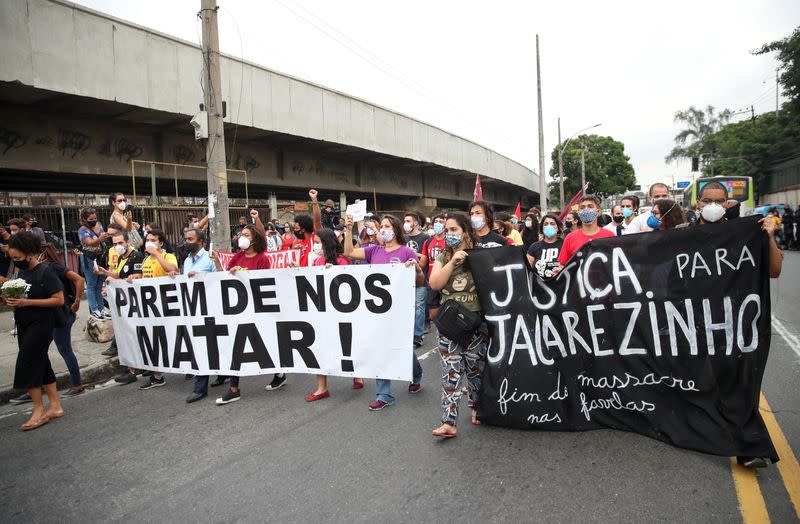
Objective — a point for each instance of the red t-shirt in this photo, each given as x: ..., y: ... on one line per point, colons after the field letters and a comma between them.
x: 576, y: 240
x: 259, y: 261
x: 305, y: 248
x: 431, y: 249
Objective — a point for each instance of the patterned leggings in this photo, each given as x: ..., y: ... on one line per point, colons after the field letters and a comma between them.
x: 455, y: 358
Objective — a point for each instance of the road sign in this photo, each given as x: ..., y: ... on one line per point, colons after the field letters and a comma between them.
x: 683, y: 185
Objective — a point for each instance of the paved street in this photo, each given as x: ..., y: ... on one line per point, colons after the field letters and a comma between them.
x: 122, y: 454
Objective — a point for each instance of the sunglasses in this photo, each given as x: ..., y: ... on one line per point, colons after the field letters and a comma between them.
x: 123, y: 200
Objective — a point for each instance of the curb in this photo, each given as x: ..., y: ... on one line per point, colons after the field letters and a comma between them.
x: 98, y: 372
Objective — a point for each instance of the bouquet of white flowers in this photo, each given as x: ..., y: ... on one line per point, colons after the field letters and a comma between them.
x: 15, y: 288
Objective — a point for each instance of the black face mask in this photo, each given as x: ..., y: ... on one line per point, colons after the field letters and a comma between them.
x: 192, y: 247
x: 618, y: 219
x: 92, y: 223
x: 300, y: 234
x: 732, y: 212
x: 22, y: 264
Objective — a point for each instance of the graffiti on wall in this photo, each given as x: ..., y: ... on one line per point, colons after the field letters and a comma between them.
x: 10, y: 139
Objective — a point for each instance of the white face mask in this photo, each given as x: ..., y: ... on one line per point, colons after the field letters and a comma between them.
x: 317, y: 249
x: 149, y: 245
x: 408, y: 228
x: 712, y: 212
x: 122, y: 205
x: 120, y: 249
x: 528, y: 223
x: 387, y: 235
x: 244, y: 242
x: 370, y: 232
x: 477, y: 222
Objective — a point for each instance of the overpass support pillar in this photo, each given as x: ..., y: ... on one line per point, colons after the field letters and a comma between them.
x: 273, y: 206
x: 342, y: 203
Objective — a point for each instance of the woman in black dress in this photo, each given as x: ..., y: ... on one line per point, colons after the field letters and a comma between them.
x: 35, y: 317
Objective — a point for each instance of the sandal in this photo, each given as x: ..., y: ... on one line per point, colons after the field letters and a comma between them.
x: 39, y: 423
x: 358, y: 383
x: 443, y: 433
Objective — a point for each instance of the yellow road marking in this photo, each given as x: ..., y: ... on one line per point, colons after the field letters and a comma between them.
x: 751, y: 502
x: 787, y: 465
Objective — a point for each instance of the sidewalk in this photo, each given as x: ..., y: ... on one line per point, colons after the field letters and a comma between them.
x: 94, y: 366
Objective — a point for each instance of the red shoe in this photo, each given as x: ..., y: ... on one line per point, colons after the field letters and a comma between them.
x: 357, y: 384
x: 311, y: 397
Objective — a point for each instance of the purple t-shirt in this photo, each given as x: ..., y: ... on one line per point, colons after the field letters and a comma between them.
x: 379, y: 255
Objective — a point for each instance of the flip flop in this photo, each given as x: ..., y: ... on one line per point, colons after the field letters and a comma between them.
x: 60, y: 414
x: 40, y: 423
x: 443, y: 434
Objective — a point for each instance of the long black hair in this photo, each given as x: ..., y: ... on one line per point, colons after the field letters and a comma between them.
x: 465, y: 223
x: 531, y: 234
x: 331, y: 248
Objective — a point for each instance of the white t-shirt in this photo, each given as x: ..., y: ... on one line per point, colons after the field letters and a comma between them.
x: 638, y: 225
x: 613, y: 227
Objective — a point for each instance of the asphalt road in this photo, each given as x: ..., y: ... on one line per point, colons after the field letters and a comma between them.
x: 122, y: 454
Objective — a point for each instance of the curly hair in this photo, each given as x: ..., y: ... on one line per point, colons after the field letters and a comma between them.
x: 25, y: 242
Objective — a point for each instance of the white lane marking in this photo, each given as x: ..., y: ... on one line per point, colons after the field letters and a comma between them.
x: 791, y: 340
x: 427, y: 353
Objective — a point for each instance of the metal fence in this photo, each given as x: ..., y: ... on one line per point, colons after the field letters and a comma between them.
x: 61, y: 223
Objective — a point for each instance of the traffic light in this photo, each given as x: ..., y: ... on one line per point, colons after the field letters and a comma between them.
x: 695, y: 164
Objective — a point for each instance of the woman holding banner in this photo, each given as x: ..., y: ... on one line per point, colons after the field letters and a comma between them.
x: 392, y: 251
x: 329, y: 253
x: 453, y: 277
x: 250, y: 256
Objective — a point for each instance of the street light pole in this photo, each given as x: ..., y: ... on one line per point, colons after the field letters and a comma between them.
x: 583, y: 162
x: 542, y: 180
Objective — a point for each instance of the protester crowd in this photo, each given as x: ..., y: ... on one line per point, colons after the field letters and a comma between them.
x: 436, y: 247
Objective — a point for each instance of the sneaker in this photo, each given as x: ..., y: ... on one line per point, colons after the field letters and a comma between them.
x: 125, y: 378
x: 110, y: 352
x: 97, y: 314
x: 417, y: 342
x: 278, y: 382
x: 752, y: 462
x: 229, y: 397
x: 194, y: 396
x: 379, y: 405
x: 414, y: 388
x: 22, y: 399
x: 106, y: 313
x: 153, y: 383
x: 72, y: 392
x: 147, y: 373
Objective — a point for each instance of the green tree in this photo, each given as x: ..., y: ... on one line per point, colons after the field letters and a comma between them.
x: 608, y: 168
x: 789, y: 56
x: 698, y: 124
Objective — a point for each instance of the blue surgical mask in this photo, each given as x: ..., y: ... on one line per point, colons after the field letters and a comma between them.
x: 627, y: 212
x: 453, y: 239
x: 587, y: 216
x: 549, y: 231
x: 438, y: 227
x: 387, y: 235
x: 653, y: 222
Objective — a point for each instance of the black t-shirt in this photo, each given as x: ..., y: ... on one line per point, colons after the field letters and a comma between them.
x: 69, y: 285
x: 129, y: 266
x: 416, y: 242
x: 546, y: 256
x: 44, y: 283
x: 492, y: 239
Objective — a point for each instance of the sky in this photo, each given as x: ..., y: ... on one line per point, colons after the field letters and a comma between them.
x: 469, y: 67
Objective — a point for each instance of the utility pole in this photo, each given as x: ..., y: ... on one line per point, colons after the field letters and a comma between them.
x: 542, y: 181
x: 583, y: 162
x: 776, y: 95
x: 560, y: 168
x: 216, y: 173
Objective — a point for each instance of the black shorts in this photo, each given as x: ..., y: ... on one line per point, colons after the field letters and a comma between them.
x: 434, y: 298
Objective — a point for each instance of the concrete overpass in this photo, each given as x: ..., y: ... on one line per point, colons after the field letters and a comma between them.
x: 82, y: 94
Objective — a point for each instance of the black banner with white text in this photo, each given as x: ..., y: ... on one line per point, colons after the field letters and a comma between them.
x: 665, y: 334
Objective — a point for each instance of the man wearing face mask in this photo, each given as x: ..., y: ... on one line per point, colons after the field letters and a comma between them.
x: 430, y: 250
x: 481, y: 214
x: 415, y: 239
x: 630, y: 210
x: 617, y: 225
x: 639, y: 224
x: 128, y: 262
x: 588, y: 212
x: 304, y: 228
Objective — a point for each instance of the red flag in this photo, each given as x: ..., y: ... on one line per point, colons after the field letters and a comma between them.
x: 518, y: 212
x: 478, y: 193
x: 572, y: 202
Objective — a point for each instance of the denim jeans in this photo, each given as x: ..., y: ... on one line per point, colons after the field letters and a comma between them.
x: 201, y: 384
x: 383, y: 387
x: 63, y: 339
x: 420, y: 301
x: 94, y: 284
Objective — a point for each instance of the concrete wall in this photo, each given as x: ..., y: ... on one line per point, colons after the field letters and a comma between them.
x: 30, y: 140
x: 56, y: 45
